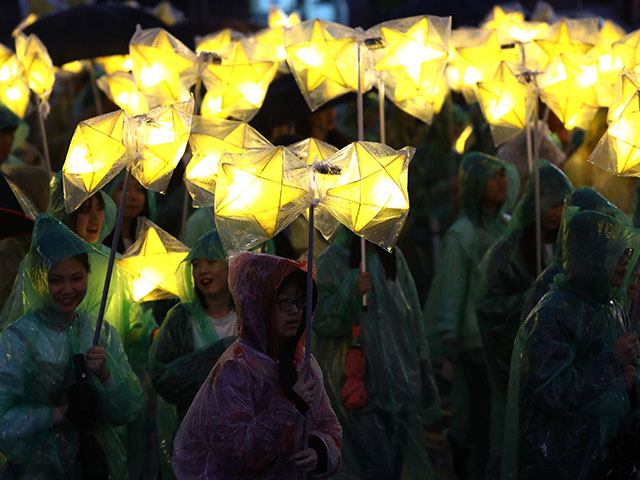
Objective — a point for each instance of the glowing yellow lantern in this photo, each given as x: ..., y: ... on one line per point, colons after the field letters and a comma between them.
x: 236, y: 87
x: 626, y: 51
x: 278, y: 18
x: 14, y: 93
x: 121, y: 89
x: 618, y: 151
x: 568, y: 88
x: 317, y: 153
x: 626, y: 87
x: 609, y: 66
x: 272, y: 42
x: 209, y: 140
x: 323, y: 57
x: 96, y: 155
x: 500, y: 18
x: 75, y: 67
x: 257, y: 195
x: 162, y: 65
x: 487, y: 54
x: 414, y: 57
x: 370, y: 196
x: 26, y: 21
x: 507, y: 103
x: 152, y: 261
x: 36, y: 65
x: 215, y: 41
x: 169, y: 14
x: 569, y: 36
x: 115, y: 63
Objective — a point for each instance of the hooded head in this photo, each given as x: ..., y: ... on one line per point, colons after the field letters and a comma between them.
x: 554, y: 187
x: 254, y: 281
x: 149, y: 209
x: 56, y: 208
x: 476, y: 170
x: 591, y: 248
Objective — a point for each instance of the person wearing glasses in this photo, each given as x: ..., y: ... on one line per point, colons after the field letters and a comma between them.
x: 248, y: 418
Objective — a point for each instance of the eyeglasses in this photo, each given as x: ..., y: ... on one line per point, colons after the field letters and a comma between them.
x: 287, y: 304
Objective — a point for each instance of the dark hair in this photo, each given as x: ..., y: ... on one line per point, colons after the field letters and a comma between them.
x: 82, y: 259
x: 74, y: 216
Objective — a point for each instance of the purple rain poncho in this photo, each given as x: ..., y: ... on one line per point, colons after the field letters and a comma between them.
x: 241, y: 423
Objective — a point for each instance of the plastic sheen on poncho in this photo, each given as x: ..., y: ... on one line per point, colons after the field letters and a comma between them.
x: 449, y: 313
x: 506, y: 273
x: 241, y: 424
x: 187, y: 345
x: 567, y: 398
x: 36, y: 370
x: 402, y: 396
x: 584, y: 198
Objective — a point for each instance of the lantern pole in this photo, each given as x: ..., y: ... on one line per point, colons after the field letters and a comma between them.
x: 43, y: 133
x: 112, y: 257
x: 537, y: 191
x: 363, y: 245
x: 94, y: 88
x: 383, y: 132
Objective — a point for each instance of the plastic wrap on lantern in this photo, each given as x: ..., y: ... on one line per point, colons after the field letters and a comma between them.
x: 318, y: 153
x: 217, y: 40
x: 157, y: 141
x: 506, y: 102
x: 413, y: 57
x: 609, y: 66
x: 236, y: 87
x: 36, y: 65
x: 96, y: 154
x: 115, y: 63
x: 569, y: 36
x: 618, y: 151
x: 209, y: 140
x: 568, y: 89
x: 485, y: 54
x: 272, y: 42
x: 152, y: 261
x: 162, y: 65
x: 626, y: 87
x: 258, y: 194
x: 14, y: 93
x: 121, y: 89
x: 626, y: 51
x: 323, y: 57
x: 370, y: 196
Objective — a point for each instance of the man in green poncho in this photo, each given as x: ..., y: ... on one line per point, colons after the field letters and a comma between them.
x: 574, y: 362
x: 384, y: 438
x: 506, y: 274
x: 488, y: 188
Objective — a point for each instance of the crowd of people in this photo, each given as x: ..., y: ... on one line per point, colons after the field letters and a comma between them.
x: 530, y: 355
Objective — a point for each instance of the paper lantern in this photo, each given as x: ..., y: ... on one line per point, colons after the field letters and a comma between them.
x: 625, y: 51
x: 569, y: 36
x: 121, y: 89
x: 152, y: 261
x: 14, y: 92
x: 257, y: 195
x: 115, y: 63
x: 609, y: 66
x: 370, y: 196
x: 209, y: 140
x: 278, y: 18
x: 36, y: 65
x: 626, y: 87
x: 215, y: 41
x: 323, y: 57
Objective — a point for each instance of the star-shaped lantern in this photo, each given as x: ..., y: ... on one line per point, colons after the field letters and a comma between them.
x: 618, y: 151
x: 609, y: 66
x: 121, y: 89
x: 257, y: 195
x: 569, y: 36
x: 150, y: 144
x: 626, y: 51
x: 506, y: 102
x: 217, y: 40
x: 236, y: 87
x: 36, y: 65
x: 14, y: 92
x: 152, y: 261
x: 626, y: 87
x: 370, y: 196
x: 413, y: 58
x: 323, y: 57
x: 568, y: 88
x: 209, y: 140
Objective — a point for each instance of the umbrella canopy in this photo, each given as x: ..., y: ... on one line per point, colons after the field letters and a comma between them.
x: 90, y: 31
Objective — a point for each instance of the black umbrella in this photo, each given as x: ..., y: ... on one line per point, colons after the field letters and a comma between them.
x: 90, y: 31
x: 16, y: 210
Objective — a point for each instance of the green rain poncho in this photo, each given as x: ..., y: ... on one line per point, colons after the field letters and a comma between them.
x: 388, y: 432
x: 36, y: 370
x: 450, y: 310
x: 187, y: 345
x: 10, y: 121
x: 584, y: 198
x: 567, y: 398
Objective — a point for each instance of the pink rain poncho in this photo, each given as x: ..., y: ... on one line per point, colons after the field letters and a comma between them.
x: 241, y: 423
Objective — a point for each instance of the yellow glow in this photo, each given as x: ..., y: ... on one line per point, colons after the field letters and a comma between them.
x: 28, y: 20
x: 483, y: 59
x: 461, y: 141
x: 500, y: 19
x: 625, y: 88
x: 471, y: 76
x: 562, y: 39
x: 73, y: 67
x: 215, y: 41
x: 588, y: 76
x: 152, y: 262
x: 115, y: 63
x: 121, y: 88
x: 36, y: 64
x: 15, y: 95
x: 152, y: 75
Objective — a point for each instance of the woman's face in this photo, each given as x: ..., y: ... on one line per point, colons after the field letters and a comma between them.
x: 210, y: 276
x: 89, y: 219
x: 136, y: 199
x: 68, y: 285
x: 497, y: 188
x: 289, y: 310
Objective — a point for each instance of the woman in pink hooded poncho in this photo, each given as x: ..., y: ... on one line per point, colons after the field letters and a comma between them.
x: 247, y: 419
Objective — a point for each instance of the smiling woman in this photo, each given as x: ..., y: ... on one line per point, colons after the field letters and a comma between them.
x: 68, y: 283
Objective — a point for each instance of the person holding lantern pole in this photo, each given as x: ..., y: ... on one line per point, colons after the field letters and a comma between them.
x: 488, y: 189
x: 60, y: 398
x: 507, y: 271
x: 384, y: 419
x: 247, y: 418
x: 573, y: 379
